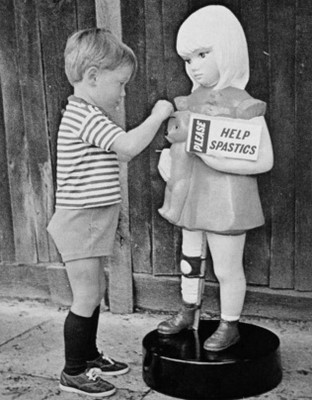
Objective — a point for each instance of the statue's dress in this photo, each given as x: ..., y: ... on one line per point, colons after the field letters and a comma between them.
x: 198, y: 197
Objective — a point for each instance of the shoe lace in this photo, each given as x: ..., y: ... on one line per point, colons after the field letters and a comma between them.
x: 108, y: 359
x: 93, y: 374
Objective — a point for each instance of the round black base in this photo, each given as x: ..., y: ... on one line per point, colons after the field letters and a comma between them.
x: 178, y: 366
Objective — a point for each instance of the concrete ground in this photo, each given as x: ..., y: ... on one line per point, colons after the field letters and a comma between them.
x: 31, y: 353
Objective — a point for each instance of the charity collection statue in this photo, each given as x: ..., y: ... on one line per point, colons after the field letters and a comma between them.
x: 212, y: 197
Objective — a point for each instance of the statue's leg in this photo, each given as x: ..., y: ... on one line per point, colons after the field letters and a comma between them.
x: 191, y: 286
x: 227, y: 255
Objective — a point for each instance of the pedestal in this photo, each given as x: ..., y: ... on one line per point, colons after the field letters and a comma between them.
x: 178, y: 366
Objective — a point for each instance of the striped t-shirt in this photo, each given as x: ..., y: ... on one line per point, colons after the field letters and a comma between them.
x: 87, y: 172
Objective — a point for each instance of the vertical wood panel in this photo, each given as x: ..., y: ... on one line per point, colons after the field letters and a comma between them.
x: 282, y: 127
x: 34, y: 33
x: 303, y: 277
x: 163, y: 246
x: 270, y: 249
x: 174, y: 82
x: 120, y: 269
x: 16, y: 142
x: 31, y: 113
x: 133, y: 30
x: 36, y: 131
x: 57, y: 20
x: 86, y: 17
x: 156, y: 89
x: 233, y: 5
x: 7, y: 250
x: 253, y: 17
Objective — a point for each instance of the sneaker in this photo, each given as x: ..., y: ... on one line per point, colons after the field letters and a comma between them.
x: 108, y: 366
x: 89, y: 382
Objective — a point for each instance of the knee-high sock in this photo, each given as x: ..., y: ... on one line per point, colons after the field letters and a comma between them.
x: 76, y: 336
x: 93, y: 352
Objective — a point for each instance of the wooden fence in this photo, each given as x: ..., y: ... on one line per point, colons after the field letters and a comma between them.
x: 279, y: 35
x: 34, y: 89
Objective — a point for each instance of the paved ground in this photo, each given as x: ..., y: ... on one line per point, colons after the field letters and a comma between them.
x: 31, y: 352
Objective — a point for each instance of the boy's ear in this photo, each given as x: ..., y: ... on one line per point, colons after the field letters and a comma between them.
x: 91, y: 75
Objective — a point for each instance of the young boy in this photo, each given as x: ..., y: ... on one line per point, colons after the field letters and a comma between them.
x: 83, y: 227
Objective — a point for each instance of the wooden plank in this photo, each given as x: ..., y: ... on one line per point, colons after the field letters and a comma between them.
x: 253, y: 14
x: 7, y: 250
x: 281, y: 19
x: 177, y: 82
x: 57, y: 20
x: 233, y: 5
x: 163, y: 294
x: 167, y: 247
x: 120, y: 270
x: 86, y: 16
x: 16, y: 142
x: 164, y: 249
x: 36, y: 130
x: 303, y: 56
x: 24, y: 282
x: 195, y: 5
x: 120, y: 291
x: 156, y: 89
x: 136, y: 111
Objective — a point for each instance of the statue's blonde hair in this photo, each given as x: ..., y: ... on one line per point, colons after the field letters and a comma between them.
x: 217, y: 27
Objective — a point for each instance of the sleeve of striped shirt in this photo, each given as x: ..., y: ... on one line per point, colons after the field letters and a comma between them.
x: 99, y: 131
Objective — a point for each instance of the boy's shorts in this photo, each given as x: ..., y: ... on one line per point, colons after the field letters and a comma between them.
x: 84, y: 233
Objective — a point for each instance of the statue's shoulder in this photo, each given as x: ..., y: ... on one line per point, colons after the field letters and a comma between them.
x: 231, y: 101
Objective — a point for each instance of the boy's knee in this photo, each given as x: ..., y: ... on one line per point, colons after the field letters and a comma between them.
x: 88, y: 302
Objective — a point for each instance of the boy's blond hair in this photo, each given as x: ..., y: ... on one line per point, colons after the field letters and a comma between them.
x: 95, y: 47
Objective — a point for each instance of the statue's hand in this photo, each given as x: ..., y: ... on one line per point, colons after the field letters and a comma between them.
x: 250, y: 108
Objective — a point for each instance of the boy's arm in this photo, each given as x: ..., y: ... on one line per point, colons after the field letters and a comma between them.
x: 134, y: 141
x: 245, y: 167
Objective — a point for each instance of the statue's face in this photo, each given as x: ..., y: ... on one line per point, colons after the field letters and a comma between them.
x: 202, y: 66
x: 178, y: 126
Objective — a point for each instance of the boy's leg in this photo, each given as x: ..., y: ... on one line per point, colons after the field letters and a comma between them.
x: 77, y: 376
x: 93, y: 352
x: 93, y: 358
x: 84, y: 280
x: 227, y: 255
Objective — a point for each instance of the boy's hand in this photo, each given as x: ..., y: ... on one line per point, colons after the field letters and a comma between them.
x: 163, y: 109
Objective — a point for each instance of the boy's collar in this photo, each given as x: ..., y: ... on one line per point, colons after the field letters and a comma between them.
x: 80, y: 100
